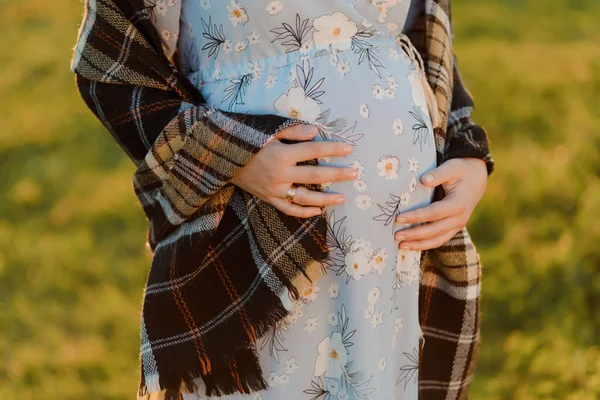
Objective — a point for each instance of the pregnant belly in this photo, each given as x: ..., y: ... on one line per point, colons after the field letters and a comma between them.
x: 373, y: 100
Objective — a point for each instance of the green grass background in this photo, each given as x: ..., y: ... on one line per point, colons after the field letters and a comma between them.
x: 72, y: 255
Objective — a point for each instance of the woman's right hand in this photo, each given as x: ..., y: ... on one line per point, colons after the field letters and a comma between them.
x: 271, y: 172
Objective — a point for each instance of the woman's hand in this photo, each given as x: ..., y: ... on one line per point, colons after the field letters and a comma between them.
x: 272, y: 171
x: 464, y: 181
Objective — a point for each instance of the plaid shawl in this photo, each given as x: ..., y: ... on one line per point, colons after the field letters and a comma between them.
x: 226, y: 265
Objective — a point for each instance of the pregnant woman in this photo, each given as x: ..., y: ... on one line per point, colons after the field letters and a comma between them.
x: 287, y: 160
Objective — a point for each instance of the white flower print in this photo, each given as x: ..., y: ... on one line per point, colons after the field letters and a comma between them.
x: 256, y: 70
x: 407, y: 266
x: 366, y: 23
x: 398, y: 324
x: 378, y: 92
x: 358, y: 167
x: 377, y: 319
x: 274, y: 7
x: 161, y: 7
x: 413, y: 184
x: 381, y: 19
x: 172, y: 2
x: 227, y: 46
x: 398, y: 126
x: 292, y: 76
x: 333, y: 59
x: 311, y: 324
x: 240, y: 46
x: 310, y: 294
x: 332, y: 319
x: 388, y: 93
x: 357, y: 264
x: 334, y: 290
x: 283, y: 379
x: 253, y: 38
x: 290, y: 366
x: 379, y: 259
x: 392, y: 84
x: 363, y: 245
x: 205, y: 4
x: 388, y: 167
x: 364, y: 202
x: 413, y: 164
x: 404, y: 199
x: 332, y: 356
x: 392, y: 26
x: 335, y: 30
x: 306, y: 46
x: 343, y: 67
x: 296, y: 313
x: 369, y: 311
x: 271, y: 81
x: 416, y: 89
x: 237, y: 13
x: 273, y: 379
x: 374, y: 295
x: 364, y: 111
x: 256, y: 396
x: 360, y: 185
x: 296, y: 104
x: 382, y: 364
x: 394, y: 54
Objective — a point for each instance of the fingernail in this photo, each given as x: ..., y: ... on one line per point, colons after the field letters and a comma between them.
x: 427, y: 178
x: 347, y: 149
x: 401, y: 220
x: 400, y: 238
x: 405, y: 247
x: 318, y: 212
x: 339, y: 200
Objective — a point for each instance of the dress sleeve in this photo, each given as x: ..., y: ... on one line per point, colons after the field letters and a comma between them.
x: 186, y: 152
x: 464, y: 138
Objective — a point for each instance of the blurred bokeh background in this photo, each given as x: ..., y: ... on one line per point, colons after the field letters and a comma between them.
x: 72, y: 256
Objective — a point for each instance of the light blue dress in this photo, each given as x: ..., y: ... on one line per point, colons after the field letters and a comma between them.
x: 336, y: 64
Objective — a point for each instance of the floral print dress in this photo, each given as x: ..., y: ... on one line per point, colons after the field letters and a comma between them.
x: 336, y: 64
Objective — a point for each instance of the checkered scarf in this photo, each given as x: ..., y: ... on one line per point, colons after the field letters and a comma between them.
x: 227, y: 266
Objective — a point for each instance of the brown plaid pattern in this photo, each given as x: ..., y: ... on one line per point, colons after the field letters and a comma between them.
x: 226, y: 265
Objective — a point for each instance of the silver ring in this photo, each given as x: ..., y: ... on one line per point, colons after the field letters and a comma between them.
x: 291, y: 193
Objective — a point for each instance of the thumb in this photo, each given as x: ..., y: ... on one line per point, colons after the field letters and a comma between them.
x: 442, y: 174
x: 300, y: 132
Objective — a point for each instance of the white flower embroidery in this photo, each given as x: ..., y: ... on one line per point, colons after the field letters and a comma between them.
x: 290, y: 366
x: 382, y: 364
x: 374, y: 295
x: 413, y: 164
x: 271, y: 81
x: 227, y: 46
x: 296, y: 104
x: 161, y: 7
x: 240, y: 46
x: 273, y: 379
x: 357, y: 263
x: 364, y: 111
x: 379, y: 259
x: 343, y: 67
x: 363, y: 201
x: 378, y: 92
x: 205, y: 4
x: 404, y: 199
x: 358, y: 167
x: 306, y: 46
x: 335, y: 30
x: 398, y: 126
x: 310, y: 294
x: 413, y: 184
x: 283, y: 379
x: 332, y: 319
x: 253, y: 38
x: 311, y: 324
x: 332, y: 356
x: 377, y: 319
x: 237, y: 13
x: 360, y: 185
x: 274, y: 7
x: 334, y: 290
x: 388, y: 167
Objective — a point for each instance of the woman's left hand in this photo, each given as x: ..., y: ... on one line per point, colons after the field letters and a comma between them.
x: 464, y: 181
